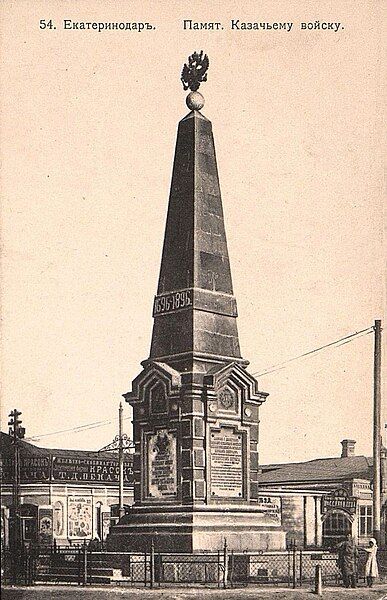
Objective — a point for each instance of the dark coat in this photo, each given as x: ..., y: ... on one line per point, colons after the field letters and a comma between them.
x: 348, y: 557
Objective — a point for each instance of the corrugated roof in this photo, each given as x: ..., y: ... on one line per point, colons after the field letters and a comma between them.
x: 320, y: 469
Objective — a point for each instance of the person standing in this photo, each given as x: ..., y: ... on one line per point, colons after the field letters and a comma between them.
x: 348, y: 561
x: 371, y: 568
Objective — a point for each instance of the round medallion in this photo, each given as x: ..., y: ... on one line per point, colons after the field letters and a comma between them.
x: 226, y: 399
x: 248, y: 411
x: 212, y: 407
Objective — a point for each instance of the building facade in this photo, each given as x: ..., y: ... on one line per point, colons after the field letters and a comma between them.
x: 69, y: 496
x: 324, y: 499
x: 66, y: 496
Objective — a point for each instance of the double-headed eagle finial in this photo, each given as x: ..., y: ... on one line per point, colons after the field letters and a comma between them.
x: 195, y: 72
x: 192, y: 75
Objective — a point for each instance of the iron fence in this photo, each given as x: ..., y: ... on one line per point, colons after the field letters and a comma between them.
x: 78, y: 565
x: 261, y: 568
x: 205, y: 569
x: 18, y: 568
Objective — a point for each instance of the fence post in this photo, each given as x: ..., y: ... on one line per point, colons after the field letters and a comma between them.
x: 301, y: 557
x: 318, y: 581
x: 84, y: 565
x: 24, y: 565
x: 28, y: 567
x: 225, y: 564
x: 231, y: 567
x: 35, y: 564
x: 218, y: 565
x: 32, y: 561
x: 152, y: 564
x: 79, y: 566
x: 145, y: 570
x: 12, y: 567
x: 159, y: 569
x: 294, y: 565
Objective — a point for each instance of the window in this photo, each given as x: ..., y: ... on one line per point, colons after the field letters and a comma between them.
x: 335, y: 527
x: 365, y: 520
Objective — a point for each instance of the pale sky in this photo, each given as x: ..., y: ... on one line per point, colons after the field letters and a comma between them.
x: 89, y: 126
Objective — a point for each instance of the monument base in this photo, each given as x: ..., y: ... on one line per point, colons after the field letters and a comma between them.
x: 196, y: 529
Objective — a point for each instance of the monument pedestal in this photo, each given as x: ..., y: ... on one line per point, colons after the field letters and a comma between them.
x: 204, y: 529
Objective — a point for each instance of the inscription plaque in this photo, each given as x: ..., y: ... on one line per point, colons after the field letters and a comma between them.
x: 270, y: 508
x: 226, y: 463
x: 162, y: 472
x: 167, y: 303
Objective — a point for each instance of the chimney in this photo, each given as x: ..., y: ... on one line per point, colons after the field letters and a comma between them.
x: 348, y: 448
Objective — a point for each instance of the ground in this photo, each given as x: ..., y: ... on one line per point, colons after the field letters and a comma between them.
x: 379, y: 592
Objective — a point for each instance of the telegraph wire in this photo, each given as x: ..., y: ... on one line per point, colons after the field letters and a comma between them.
x: 273, y: 369
x: 79, y: 429
x: 340, y: 342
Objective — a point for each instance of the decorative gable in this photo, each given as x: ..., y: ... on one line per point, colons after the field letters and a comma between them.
x: 233, y: 381
x: 155, y: 384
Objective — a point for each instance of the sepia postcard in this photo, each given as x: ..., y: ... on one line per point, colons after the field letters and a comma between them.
x: 193, y: 293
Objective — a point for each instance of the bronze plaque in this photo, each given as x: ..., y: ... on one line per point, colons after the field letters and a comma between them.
x: 162, y: 465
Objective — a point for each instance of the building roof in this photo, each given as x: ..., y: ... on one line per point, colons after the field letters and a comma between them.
x: 318, y: 470
x: 59, y: 465
x: 30, y: 450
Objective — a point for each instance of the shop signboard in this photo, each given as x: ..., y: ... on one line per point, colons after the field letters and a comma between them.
x: 270, y: 507
x: 45, y: 467
x: 32, y: 469
x: 339, y: 499
x: 90, y: 470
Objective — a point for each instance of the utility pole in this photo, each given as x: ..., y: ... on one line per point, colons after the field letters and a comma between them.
x: 121, y: 443
x: 17, y: 432
x: 377, y: 432
x: 121, y: 510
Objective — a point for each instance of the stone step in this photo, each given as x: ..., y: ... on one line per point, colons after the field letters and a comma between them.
x: 64, y: 569
x: 105, y: 564
x: 70, y: 578
x: 57, y: 577
x: 105, y: 571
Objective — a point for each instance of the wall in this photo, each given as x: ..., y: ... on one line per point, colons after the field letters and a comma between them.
x: 75, y: 513
x: 293, y: 518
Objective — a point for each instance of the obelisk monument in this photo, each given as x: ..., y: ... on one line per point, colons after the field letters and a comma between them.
x: 195, y: 406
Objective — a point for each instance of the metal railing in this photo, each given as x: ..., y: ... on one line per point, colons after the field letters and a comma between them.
x: 291, y: 568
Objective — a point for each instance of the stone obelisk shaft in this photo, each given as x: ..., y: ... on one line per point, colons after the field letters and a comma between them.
x: 195, y: 259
